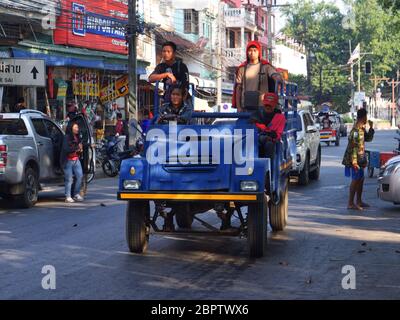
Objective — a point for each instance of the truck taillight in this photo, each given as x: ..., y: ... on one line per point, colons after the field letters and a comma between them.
x: 3, y: 157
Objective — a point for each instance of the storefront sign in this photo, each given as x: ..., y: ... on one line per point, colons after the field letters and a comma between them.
x: 62, y: 87
x: 92, y: 24
x: 116, y: 89
x: 86, y: 83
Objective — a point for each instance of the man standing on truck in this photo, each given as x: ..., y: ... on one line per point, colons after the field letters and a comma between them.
x: 254, y: 77
x: 171, y: 71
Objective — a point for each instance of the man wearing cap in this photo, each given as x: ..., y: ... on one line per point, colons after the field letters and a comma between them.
x: 270, y: 123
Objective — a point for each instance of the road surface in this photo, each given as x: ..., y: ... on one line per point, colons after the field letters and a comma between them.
x: 86, y: 245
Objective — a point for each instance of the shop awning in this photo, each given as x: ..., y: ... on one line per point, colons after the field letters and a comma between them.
x: 56, y: 55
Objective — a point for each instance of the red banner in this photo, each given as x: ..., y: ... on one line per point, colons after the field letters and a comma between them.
x: 93, y: 24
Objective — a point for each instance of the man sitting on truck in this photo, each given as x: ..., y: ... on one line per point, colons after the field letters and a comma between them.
x: 176, y: 110
x: 270, y: 123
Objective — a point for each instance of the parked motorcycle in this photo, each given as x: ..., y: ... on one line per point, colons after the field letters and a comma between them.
x: 112, y: 159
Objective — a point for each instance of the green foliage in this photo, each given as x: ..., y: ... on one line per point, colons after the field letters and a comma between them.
x: 319, y: 27
x: 347, y: 119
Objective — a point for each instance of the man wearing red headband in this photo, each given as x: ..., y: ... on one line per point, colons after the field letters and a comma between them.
x: 270, y: 122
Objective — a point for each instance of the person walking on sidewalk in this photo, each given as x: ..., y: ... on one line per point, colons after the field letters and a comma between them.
x: 355, y: 159
x: 72, y: 148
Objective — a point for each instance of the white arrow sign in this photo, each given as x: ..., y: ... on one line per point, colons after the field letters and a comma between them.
x: 22, y: 72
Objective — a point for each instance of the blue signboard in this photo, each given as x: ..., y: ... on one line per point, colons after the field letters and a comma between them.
x: 88, y: 22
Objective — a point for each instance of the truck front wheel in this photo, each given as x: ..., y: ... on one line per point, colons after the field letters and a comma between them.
x: 137, y: 226
x: 257, y: 220
x: 304, y: 176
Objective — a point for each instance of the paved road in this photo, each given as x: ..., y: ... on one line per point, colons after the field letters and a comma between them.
x: 86, y: 245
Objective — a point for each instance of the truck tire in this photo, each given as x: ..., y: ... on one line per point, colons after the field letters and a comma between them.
x: 31, y: 190
x: 337, y: 142
x: 279, y: 213
x: 257, y: 220
x: 137, y: 226
x: 304, y: 176
x: 183, y: 216
x: 314, y: 175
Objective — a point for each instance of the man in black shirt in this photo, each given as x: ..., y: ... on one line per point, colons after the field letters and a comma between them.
x: 172, y: 71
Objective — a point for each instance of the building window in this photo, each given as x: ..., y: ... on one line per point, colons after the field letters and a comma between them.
x: 191, y: 21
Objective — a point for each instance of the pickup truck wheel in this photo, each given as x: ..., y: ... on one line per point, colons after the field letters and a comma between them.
x: 31, y: 190
x: 137, y: 226
x: 279, y: 213
x: 314, y: 175
x: 304, y: 177
x: 183, y: 216
x: 257, y: 220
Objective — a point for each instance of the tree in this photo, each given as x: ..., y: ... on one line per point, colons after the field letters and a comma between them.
x: 318, y: 26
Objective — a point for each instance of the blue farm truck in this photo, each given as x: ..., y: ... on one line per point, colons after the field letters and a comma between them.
x: 190, y: 170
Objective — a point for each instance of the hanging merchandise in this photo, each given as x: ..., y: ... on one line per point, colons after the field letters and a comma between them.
x: 86, y: 83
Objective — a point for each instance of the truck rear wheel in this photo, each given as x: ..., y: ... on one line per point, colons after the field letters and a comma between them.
x: 279, y: 213
x: 137, y: 226
x: 183, y: 216
x: 257, y: 221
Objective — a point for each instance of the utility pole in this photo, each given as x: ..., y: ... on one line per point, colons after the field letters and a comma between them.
x: 269, y: 31
x: 394, y: 84
x: 219, y: 52
x: 132, y: 62
x: 352, y: 80
x: 359, y: 72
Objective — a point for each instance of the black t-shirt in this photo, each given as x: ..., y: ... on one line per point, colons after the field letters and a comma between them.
x: 181, y: 73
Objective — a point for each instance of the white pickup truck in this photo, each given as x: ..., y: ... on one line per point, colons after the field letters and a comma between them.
x: 308, y: 158
x: 30, y: 146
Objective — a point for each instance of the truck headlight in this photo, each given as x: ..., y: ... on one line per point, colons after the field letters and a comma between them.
x: 248, y: 185
x: 132, y: 184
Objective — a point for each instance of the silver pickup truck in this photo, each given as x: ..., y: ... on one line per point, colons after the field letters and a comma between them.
x: 30, y: 146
